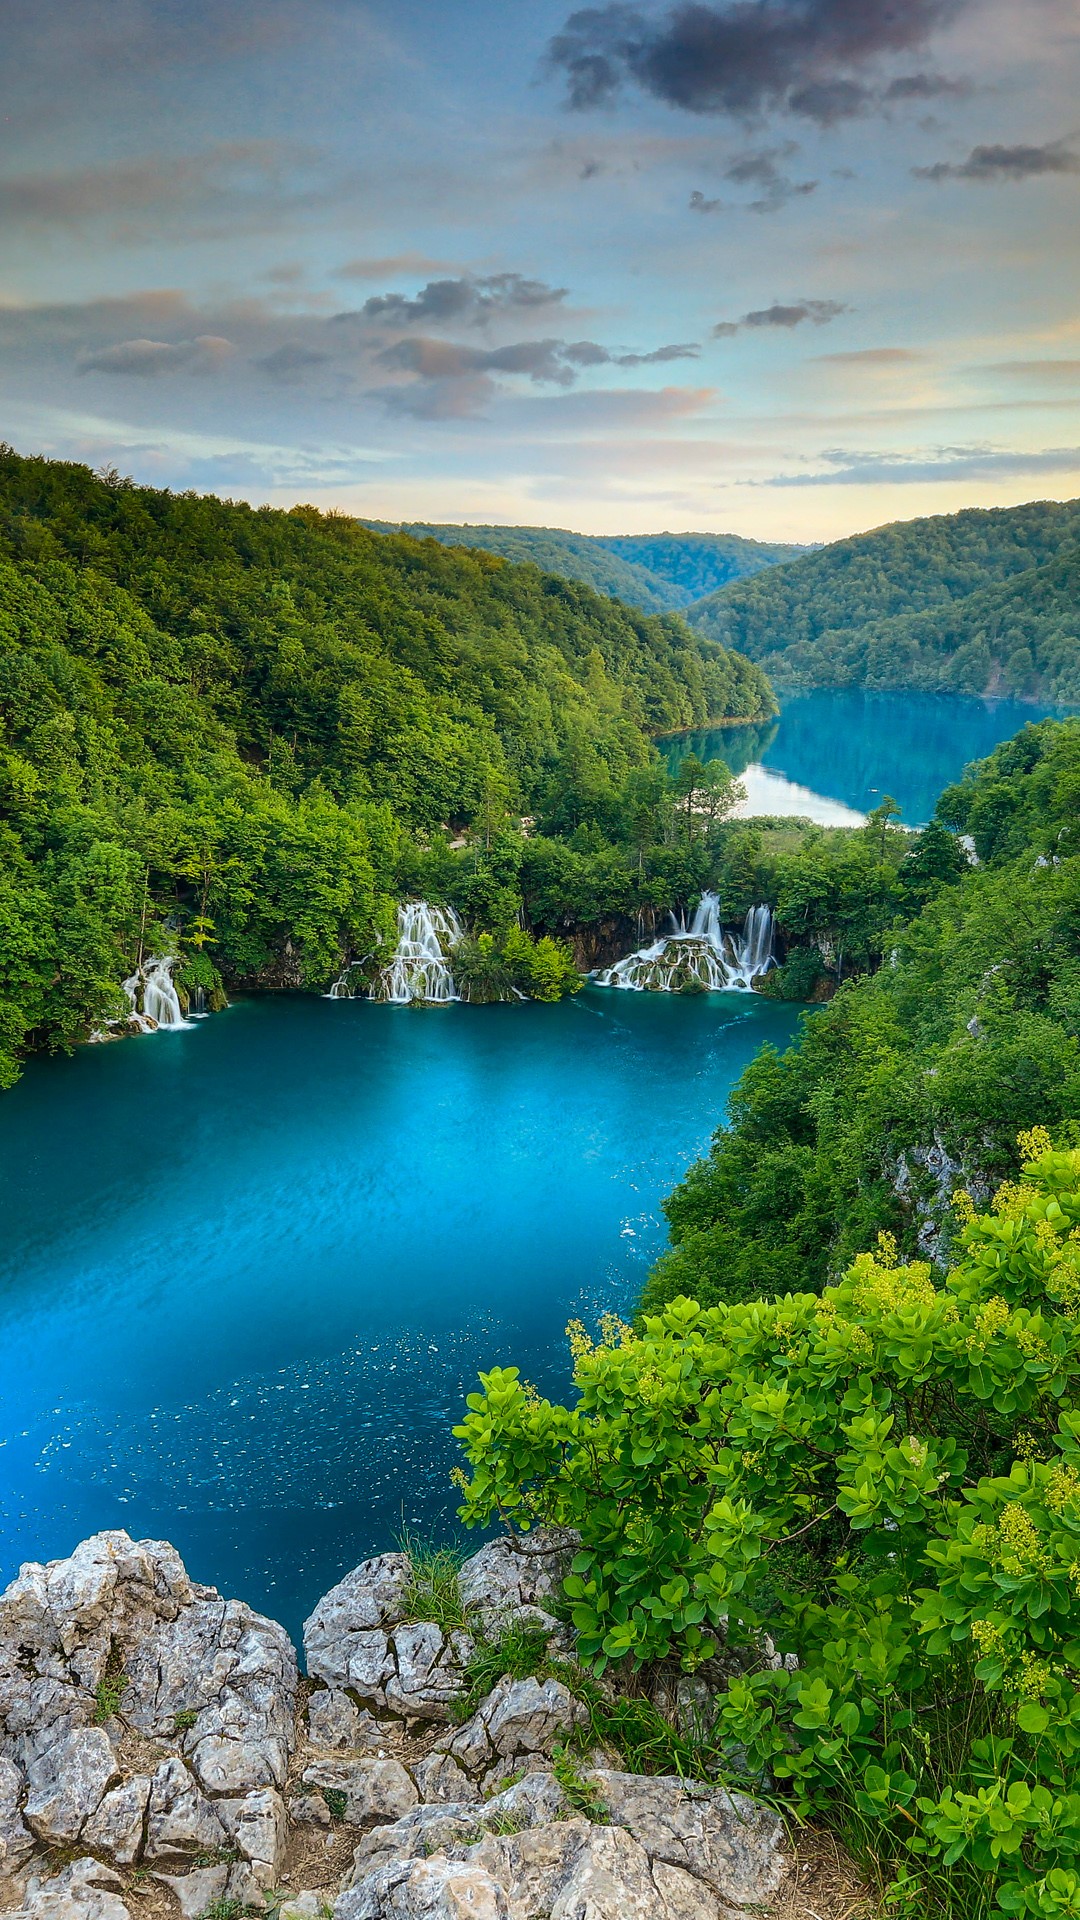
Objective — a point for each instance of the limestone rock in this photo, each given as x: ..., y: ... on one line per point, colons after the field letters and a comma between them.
x: 258, y: 1827
x: 536, y: 1800
x: 376, y: 1791
x: 440, y: 1779
x: 429, y: 1665
x: 66, y: 1781
x: 517, y: 1571
x: 308, y: 1810
x: 519, y: 1719
x: 83, y: 1891
x: 16, y: 1840
x: 116, y: 1828
x: 438, y: 1889
x: 196, y: 1890
x: 337, y: 1724
x: 370, y: 1598
x: 119, y: 1629
x: 732, y: 1844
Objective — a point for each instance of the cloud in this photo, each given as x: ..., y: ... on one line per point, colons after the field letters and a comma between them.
x: 148, y: 359
x: 290, y: 362
x: 846, y: 467
x: 993, y: 164
x: 870, y: 357
x: 760, y: 169
x: 543, y: 362
x: 381, y: 268
x: 465, y: 298
x: 818, y: 312
x: 744, y: 58
x: 925, y: 86
x: 233, y: 185
x: 1066, y: 371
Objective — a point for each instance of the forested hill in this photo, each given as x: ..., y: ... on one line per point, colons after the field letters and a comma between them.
x: 658, y: 572
x: 237, y: 722
x: 980, y: 601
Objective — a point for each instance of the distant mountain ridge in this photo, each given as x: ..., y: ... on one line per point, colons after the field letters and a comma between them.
x: 984, y: 601
x: 657, y: 572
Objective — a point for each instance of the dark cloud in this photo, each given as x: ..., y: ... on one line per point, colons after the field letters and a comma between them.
x: 793, y: 314
x: 544, y: 362
x: 148, y: 359
x: 925, y: 86
x: 464, y: 298
x: 856, y: 468
x: 539, y: 360
x: 828, y: 101
x: 763, y: 169
x: 291, y: 361
x: 744, y: 58
x: 992, y: 164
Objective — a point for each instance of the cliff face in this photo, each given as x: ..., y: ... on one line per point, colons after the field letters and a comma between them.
x: 161, y: 1756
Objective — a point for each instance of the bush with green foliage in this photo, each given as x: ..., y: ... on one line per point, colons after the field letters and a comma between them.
x: 884, y: 1479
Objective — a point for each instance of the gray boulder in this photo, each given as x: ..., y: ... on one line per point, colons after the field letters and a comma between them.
x: 518, y: 1576
x: 357, y: 1638
x: 519, y: 1720
x: 114, y: 1655
x: 85, y: 1890
x: 375, y: 1791
x: 733, y: 1844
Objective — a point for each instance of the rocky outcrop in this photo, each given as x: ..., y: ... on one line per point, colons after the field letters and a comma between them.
x: 143, y: 1719
x: 152, y: 1733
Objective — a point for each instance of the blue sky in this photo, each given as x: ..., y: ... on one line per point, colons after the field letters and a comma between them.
x: 784, y: 267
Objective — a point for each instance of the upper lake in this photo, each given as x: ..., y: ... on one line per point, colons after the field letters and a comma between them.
x: 250, y: 1269
x: 835, y: 753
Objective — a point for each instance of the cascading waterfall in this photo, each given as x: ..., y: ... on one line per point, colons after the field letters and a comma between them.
x: 342, y: 987
x: 703, y: 954
x: 154, y: 1001
x: 420, y: 973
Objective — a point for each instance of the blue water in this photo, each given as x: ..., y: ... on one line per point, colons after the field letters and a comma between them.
x: 249, y: 1271
x: 850, y: 747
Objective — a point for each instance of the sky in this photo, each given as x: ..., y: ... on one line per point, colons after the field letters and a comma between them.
x: 785, y: 268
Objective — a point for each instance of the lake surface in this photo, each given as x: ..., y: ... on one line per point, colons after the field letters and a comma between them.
x: 250, y: 1270
x: 835, y: 753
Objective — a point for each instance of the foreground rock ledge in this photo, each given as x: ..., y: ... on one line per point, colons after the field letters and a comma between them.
x: 160, y: 1755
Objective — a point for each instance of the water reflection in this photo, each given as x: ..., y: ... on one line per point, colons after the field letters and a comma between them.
x: 835, y: 753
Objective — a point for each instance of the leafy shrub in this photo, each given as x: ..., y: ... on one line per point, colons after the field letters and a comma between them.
x: 885, y: 1479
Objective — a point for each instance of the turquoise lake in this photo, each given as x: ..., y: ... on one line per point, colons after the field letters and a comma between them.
x: 250, y: 1270
x: 835, y: 753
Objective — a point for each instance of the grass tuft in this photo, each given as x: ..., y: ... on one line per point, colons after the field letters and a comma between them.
x: 433, y: 1592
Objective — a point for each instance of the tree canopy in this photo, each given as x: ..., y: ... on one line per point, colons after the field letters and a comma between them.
x: 980, y: 602
x: 241, y: 720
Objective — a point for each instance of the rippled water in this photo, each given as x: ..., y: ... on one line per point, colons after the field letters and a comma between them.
x: 251, y: 1269
x: 835, y: 753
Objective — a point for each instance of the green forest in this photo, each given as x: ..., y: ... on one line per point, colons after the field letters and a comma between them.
x: 255, y: 726
x: 657, y: 572
x: 976, y: 602
x: 833, y: 1468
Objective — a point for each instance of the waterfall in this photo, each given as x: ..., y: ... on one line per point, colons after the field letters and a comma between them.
x: 151, y: 985
x: 703, y: 954
x: 342, y: 989
x: 419, y: 972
